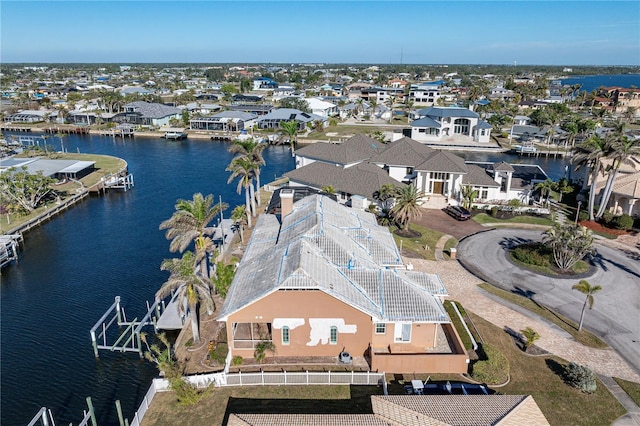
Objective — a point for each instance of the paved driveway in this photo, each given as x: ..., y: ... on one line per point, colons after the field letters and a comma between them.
x: 440, y: 221
x: 616, y: 312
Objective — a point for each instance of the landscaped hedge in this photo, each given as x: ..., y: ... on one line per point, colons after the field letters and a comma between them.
x: 532, y: 254
x: 493, y: 366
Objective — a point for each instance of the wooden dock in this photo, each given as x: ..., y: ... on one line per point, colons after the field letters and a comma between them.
x: 122, y: 180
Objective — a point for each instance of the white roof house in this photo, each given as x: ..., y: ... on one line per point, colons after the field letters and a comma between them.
x: 322, y: 108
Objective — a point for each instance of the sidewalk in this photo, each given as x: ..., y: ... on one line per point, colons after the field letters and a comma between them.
x: 462, y: 286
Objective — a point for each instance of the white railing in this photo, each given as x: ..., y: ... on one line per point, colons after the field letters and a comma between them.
x: 263, y: 379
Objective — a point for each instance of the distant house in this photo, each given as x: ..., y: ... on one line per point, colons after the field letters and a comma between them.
x: 135, y: 90
x: 147, y: 114
x: 264, y: 83
x: 224, y: 121
x: 32, y: 116
x: 425, y: 93
x: 259, y: 110
x: 322, y: 108
x: 273, y: 119
x: 326, y: 279
x: 436, y: 124
x: 202, y: 108
x: 619, y: 98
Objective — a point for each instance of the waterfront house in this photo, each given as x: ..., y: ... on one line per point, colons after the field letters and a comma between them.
x: 32, y: 116
x: 442, y: 124
x: 273, y: 119
x: 326, y: 279
x: 439, y: 174
x: 322, y: 108
x: 224, y: 121
x: 147, y: 114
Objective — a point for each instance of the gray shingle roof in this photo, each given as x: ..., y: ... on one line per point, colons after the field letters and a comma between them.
x: 443, y: 161
x: 403, y: 152
x: 447, y: 112
x: 355, y: 149
x: 340, y: 251
x: 362, y: 179
x: 287, y: 114
x: 477, y: 176
x: 503, y: 167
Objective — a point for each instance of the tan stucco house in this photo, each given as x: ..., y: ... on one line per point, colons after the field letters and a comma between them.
x: 324, y: 279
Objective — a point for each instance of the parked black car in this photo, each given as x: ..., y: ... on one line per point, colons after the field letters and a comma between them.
x: 458, y: 212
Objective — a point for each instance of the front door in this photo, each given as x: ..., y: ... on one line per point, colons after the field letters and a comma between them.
x: 437, y: 187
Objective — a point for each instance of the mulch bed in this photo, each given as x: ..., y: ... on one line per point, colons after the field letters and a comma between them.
x: 595, y: 226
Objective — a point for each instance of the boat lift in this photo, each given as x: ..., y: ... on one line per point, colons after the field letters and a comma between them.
x: 127, y: 339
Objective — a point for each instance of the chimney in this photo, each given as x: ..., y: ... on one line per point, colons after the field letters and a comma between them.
x: 286, y: 202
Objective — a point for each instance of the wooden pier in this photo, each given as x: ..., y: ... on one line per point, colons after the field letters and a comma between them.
x: 67, y: 130
x: 122, y: 181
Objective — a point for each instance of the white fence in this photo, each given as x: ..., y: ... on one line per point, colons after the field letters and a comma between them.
x: 263, y: 379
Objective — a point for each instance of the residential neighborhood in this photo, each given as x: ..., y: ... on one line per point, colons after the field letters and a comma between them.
x: 422, y: 237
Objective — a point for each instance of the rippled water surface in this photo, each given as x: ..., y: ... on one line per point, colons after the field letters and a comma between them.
x: 72, y: 267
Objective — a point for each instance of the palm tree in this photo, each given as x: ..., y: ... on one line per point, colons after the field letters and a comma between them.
x: 243, y: 167
x: 386, y: 195
x: 239, y: 217
x: 623, y: 150
x: 291, y: 129
x: 587, y: 289
x: 406, y: 207
x: 252, y: 149
x: 192, y: 289
x: 190, y: 222
x: 374, y: 104
x: 562, y: 187
x: 328, y: 189
x: 468, y: 194
x: 545, y: 188
x: 589, y: 154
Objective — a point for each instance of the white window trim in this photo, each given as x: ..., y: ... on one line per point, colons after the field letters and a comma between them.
x: 384, y: 326
x: 288, y: 330
x: 333, y: 327
x: 397, y: 333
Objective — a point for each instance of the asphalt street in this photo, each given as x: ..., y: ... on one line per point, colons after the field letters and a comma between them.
x: 615, y: 316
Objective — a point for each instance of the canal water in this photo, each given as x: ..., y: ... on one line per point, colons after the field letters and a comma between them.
x: 72, y: 267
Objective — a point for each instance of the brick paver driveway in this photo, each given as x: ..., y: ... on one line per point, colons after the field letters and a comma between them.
x: 442, y: 222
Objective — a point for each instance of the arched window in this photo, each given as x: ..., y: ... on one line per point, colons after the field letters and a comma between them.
x: 285, y: 335
x: 333, y: 338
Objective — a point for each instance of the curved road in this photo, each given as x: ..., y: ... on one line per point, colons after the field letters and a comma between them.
x: 616, y: 310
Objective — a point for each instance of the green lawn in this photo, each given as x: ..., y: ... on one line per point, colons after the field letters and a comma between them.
x: 541, y: 378
x: 466, y: 340
x: 105, y: 165
x: 532, y: 220
x: 584, y: 337
x: 631, y: 388
x: 417, y: 245
x: 451, y: 242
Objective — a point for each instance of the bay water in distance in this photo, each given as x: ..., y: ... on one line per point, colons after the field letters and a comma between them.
x: 592, y: 82
x: 72, y: 267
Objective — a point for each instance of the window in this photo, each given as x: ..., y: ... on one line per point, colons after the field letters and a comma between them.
x: 484, y: 193
x: 285, y: 335
x: 333, y: 338
x: 409, y: 170
x: 381, y: 328
x: 402, y: 332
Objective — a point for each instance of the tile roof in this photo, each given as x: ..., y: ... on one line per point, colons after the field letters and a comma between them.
x: 355, y: 149
x: 482, y: 125
x: 341, y: 251
x: 362, y: 179
x: 426, y: 122
x: 307, y: 420
x: 403, y: 152
x: 626, y: 184
x: 464, y: 410
x: 443, y: 161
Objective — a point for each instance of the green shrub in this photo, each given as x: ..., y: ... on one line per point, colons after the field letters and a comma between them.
x: 236, y: 360
x: 492, y: 368
x: 186, y: 393
x: 532, y: 254
x: 624, y: 222
x: 607, y: 217
x: 494, y: 211
x: 514, y: 202
x: 530, y: 337
x: 580, y: 377
x: 583, y: 215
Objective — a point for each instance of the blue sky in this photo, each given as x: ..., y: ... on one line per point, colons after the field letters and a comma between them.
x: 422, y: 32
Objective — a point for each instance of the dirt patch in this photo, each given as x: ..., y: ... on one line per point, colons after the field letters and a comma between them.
x: 409, y: 233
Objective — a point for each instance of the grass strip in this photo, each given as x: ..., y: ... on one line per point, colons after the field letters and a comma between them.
x: 417, y: 245
x: 631, y: 388
x: 455, y: 319
x: 584, y: 337
x: 532, y: 220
